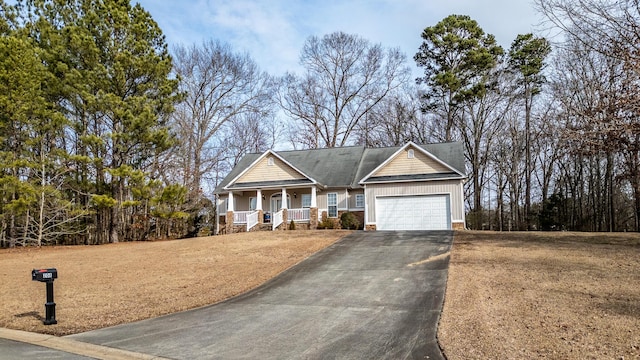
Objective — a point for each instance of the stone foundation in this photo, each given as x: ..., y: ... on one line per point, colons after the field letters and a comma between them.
x: 370, y: 228
x: 302, y: 226
x: 313, y: 218
x: 331, y: 223
x: 285, y: 220
x: 229, y: 222
x: 457, y: 226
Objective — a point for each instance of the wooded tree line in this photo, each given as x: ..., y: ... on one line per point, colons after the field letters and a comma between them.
x: 87, y: 92
x: 550, y: 130
x: 107, y: 135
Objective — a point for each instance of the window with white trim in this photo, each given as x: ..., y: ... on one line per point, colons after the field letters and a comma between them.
x: 359, y: 200
x: 332, y: 205
x: 270, y: 161
x: 411, y: 154
x: 253, y: 203
x: 306, y: 200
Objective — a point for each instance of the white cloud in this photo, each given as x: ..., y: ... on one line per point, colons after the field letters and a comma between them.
x: 273, y: 32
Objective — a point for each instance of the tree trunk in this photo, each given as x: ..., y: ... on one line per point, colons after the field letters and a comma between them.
x: 448, y: 131
x: 609, y: 202
x: 527, y: 159
x: 11, y: 229
x: 114, y: 222
x: 634, y: 175
x: 500, y: 203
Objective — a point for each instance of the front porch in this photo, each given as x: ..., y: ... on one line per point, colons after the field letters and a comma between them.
x: 261, y: 210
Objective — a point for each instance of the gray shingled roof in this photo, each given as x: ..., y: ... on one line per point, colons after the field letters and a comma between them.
x: 244, y: 163
x: 372, y: 159
x: 450, y: 153
x: 347, y: 166
x: 335, y: 167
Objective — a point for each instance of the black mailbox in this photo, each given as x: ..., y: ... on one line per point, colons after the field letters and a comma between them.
x: 44, y: 275
x: 47, y: 276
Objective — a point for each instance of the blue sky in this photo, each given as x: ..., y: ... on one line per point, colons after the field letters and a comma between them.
x: 274, y: 31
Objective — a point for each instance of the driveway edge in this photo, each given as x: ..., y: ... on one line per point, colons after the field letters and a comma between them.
x: 73, y: 346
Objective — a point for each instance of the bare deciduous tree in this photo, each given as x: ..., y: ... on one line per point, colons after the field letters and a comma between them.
x: 396, y: 120
x: 600, y: 25
x: 590, y: 88
x: 250, y: 133
x: 222, y: 88
x: 345, y: 78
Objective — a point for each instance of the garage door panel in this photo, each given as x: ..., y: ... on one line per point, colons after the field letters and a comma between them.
x: 429, y: 212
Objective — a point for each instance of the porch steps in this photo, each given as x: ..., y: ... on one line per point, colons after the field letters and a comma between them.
x: 259, y: 227
x: 262, y: 227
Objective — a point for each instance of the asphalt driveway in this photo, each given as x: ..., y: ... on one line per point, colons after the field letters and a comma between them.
x: 372, y: 295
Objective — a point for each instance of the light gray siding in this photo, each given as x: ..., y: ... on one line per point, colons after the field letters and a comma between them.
x: 322, y: 200
x: 352, y: 199
x: 342, y: 199
x: 262, y: 171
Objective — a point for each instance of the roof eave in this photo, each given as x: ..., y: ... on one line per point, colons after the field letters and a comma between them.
x: 263, y: 187
x: 381, y: 181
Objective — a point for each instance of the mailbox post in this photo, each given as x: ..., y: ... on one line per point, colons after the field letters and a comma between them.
x: 47, y: 276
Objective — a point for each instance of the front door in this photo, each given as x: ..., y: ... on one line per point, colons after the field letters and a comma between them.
x: 276, y: 202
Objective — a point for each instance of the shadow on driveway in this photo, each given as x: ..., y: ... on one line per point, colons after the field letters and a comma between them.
x: 371, y: 295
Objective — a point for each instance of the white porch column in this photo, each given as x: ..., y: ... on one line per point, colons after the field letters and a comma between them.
x: 284, y: 198
x: 230, y: 202
x: 313, y: 209
x: 314, y: 200
x: 229, y: 215
x: 259, y: 200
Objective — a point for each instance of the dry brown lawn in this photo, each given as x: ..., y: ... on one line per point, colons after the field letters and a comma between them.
x: 509, y: 295
x: 542, y: 295
x: 105, y: 285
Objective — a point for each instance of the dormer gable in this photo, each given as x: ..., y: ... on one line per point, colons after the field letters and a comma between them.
x: 269, y: 167
x: 411, y: 160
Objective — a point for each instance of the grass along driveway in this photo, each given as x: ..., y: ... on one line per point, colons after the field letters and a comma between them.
x: 542, y: 295
x: 100, y: 286
x: 509, y: 295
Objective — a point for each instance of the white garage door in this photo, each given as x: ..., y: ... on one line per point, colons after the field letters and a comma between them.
x: 429, y: 212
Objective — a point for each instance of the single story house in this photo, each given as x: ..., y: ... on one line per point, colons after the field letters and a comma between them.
x: 412, y: 187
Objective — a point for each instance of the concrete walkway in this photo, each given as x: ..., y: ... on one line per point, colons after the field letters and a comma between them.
x: 16, y: 344
x: 373, y: 295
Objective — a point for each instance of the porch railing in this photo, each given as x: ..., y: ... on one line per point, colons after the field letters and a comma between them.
x: 240, y: 217
x: 276, y: 220
x: 252, y: 219
x: 298, y: 214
